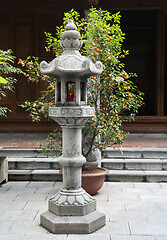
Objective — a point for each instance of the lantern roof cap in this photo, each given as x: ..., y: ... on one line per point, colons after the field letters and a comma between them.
x: 71, y: 62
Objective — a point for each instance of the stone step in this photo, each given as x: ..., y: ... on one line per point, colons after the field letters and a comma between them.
x: 113, y: 176
x: 22, y: 152
x: 33, y: 163
x: 34, y: 175
x: 109, y: 163
x: 126, y: 152
x: 134, y: 164
x: 136, y: 176
x: 141, y: 165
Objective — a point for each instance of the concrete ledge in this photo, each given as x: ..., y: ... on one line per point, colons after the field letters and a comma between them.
x: 128, y: 152
x: 126, y: 176
x: 24, y: 152
x: 34, y: 175
x: 158, y: 176
x: 33, y: 163
x: 46, y: 175
x: 114, y: 164
x: 136, y: 176
x: 3, y: 169
x: 125, y: 152
x: 143, y: 164
x: 113, y: 176
x: 134, y: 164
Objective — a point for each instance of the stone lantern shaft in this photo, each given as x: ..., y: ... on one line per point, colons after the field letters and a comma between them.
x: 71, y: 210
x: 72, y: 155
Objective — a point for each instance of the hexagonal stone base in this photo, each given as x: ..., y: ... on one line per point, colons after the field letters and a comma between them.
x: 72, y: 224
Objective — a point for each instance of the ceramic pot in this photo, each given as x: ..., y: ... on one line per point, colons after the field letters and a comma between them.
x: 93, y: 181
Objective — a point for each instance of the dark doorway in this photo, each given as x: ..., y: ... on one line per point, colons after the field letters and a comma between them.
x: 140, y: 29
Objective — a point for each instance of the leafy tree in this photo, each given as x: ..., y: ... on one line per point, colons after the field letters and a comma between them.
x: 7, y: 76
x: 113, y: 94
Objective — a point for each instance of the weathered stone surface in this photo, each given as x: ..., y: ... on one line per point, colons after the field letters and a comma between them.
x: 46, y: 175
x: 75, y: 116
x: 33, y: 163
x: 72, y: 224
x: 21, y: 152
x: 156, y: 176
x: 124, y: 153
x: 73, y: 203
x: 113, y: 164
x: 35, y: 175
x: 126, y: 176
x: 155, y: 154
x: 129, y: 152
x: 164, y: 164
x: 143, y: 164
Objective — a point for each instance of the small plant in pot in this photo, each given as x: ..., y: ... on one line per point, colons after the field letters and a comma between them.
x: 112, y: 95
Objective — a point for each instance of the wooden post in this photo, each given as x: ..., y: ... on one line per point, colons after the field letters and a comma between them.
x: 160, y: 62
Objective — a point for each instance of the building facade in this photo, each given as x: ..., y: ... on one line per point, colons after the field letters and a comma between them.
x: 22, y: 27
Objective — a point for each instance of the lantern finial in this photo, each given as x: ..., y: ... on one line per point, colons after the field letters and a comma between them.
x: 71, y: 37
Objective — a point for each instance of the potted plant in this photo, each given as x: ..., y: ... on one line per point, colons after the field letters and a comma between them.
x: 7, y: 80
x: 113, y: 94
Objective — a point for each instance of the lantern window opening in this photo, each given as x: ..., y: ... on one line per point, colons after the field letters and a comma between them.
x: 82, y: 91
x: 71, y: 91
x: 59, y: 91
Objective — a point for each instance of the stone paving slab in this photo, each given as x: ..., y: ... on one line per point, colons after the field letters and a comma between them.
x: 131, y: 209
x: 147, y: 228
x: 33, y: 205
x: 152, y: 186
x: 160, y: 238
x: 120, y: 215
x: 49, y: 236
x: 132, y: 237
x: 12, y: 236
x: 18, y: 215
x: 92, y: 236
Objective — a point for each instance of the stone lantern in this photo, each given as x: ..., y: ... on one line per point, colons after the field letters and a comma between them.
x: 72, y: 209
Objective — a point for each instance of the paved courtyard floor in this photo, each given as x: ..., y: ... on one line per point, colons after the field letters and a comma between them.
x: 134, y: 211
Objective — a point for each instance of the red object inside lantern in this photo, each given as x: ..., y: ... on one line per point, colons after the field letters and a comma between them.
x: 71, y: 89
x: 70, y: 97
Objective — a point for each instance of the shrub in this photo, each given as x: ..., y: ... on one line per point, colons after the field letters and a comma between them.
x: 7, y: 76
x: 113, y: 93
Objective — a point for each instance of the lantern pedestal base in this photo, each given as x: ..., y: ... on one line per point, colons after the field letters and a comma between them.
x: 72, y: 203
x: 72, y: 224
x: 72, y: 211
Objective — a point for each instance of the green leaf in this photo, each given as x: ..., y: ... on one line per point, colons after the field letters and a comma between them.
x: 3, y: 80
